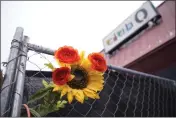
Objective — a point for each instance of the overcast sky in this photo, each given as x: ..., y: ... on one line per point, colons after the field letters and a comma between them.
x: 81, y: 24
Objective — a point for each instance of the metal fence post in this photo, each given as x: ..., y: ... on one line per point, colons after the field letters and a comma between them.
x: 18, y: 95
x: 10, y: 72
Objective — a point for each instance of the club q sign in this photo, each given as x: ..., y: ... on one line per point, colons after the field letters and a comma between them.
x: 133, y: 23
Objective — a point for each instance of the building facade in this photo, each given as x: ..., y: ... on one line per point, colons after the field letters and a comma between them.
x: 152, y: 51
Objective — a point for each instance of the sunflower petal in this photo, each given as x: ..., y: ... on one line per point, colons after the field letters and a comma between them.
x: 93, y: 72
x: 71, y: 77
x: 74, y: 91
x: 57, y: 88
x: 63, y: 64
x: 97, y: 96
x: 95, y: 85
x: 69, y: 89
x: 95, y: 88
x: 95, y: 77
x: 64, y: 91
x: 89, y: 93
x: 82, y: 54
x: 86, y: 64
x: 97, y: 81
x: 70, y: 97
x: 79, y: 99
x: 80, y: 96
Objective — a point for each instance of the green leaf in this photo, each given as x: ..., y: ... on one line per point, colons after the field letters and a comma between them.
x: 46, y: 98
x: 61, y: 104
x: 64, y: 101
x: 86, y: 98
x: 49, y: 65
x: 36, y: 114
x: 45, y: 84
x: 58, y: 104
x: 39, y: 94
x: 51, y: 84
x: 48, y: 101
x: 53, y: 108
x: 51, y: 97
x: 44, y: 109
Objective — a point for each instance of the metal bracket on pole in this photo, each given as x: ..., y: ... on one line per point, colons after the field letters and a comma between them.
x: 7, y: 87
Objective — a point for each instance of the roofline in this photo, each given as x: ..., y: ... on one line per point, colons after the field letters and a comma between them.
x: 161, y: 4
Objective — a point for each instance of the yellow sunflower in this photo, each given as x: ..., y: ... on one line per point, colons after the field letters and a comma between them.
x: 78, y: 77
x: 84, y: 81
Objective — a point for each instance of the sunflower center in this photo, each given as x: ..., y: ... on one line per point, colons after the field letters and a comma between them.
x: 80, y: 80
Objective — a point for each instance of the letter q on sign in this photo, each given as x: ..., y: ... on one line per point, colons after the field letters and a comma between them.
x: 141, y: 15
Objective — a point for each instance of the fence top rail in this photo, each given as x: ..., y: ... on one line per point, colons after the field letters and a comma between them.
x: 136, y: 72
x: 40, y: 49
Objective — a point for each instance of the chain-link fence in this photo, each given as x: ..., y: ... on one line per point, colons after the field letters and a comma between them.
x: 125, y: 93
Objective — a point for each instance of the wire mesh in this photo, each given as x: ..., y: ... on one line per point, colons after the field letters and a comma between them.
x: 124, y: 94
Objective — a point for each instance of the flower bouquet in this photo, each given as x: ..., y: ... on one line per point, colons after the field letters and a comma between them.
x: 78, y: 77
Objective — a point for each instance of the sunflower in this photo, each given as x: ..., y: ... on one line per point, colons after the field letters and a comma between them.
x: 80, y: 78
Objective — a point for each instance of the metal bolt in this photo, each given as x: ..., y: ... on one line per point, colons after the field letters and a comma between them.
x: 4, y: 64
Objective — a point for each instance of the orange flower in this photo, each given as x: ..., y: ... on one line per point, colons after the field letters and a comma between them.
x: 98, y: 62
x: 61, y: 75
x: 67, y: 54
